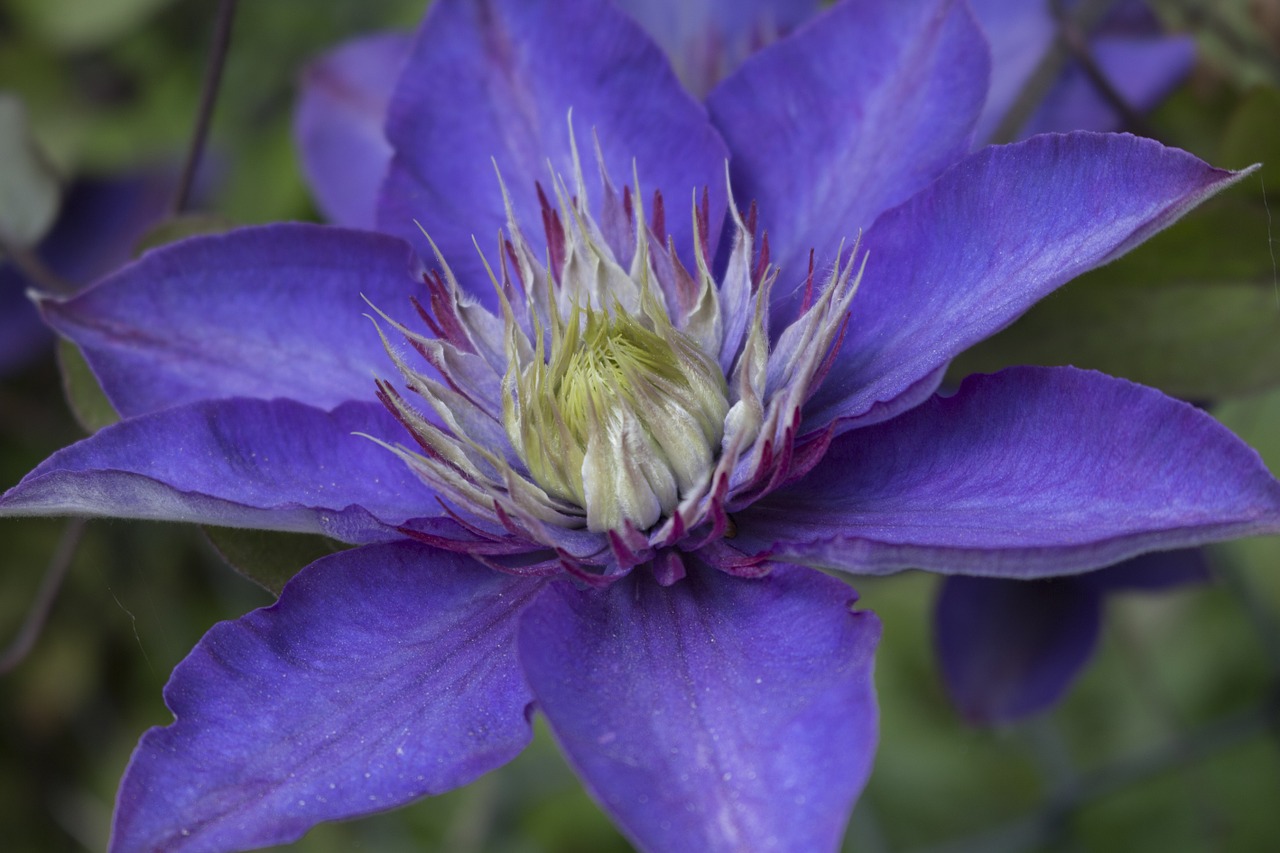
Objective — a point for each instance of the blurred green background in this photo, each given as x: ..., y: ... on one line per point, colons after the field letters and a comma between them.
x: 1171, y: 741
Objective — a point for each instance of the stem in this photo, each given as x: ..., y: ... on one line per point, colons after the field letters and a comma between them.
x: 208, y: 99
x: 49, y: 586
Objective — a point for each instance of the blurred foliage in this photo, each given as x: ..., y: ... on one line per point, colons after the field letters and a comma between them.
x: 267, y: 558
x: 1196, y: 310
x: 89, y: 405
x: 29, y: 192
x: 1163, y: 745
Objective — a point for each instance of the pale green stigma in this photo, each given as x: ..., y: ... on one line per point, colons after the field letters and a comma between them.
x: 624, y: 416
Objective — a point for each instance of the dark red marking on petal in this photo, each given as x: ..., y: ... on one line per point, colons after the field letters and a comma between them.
x: 630, y: 547
x: 823, y: 369
x: 394, y: 403
x: 716, y: 511
x: 724, y: 557
x: 809, y: 451
x: 704, y: 223
x: 578, y: 569
x: 807, y: 302
x: 660, y: 216
x: 554, y: 230
x: 677, y: 529
x: 668, y: 567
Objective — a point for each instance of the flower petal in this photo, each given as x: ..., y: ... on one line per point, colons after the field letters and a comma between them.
x: 381, y: 675
x: 507, y: 61
x: 338, y: 124
x: 1010, y: 648
x: 274, y: 311
x: 848, y: 117
x: 277, y: 465
x: 707, y: 39
x: 969, y: 254
x: 714, y: 714
x: 1025, y: 473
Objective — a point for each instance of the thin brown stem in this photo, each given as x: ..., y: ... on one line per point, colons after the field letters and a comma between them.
x: 208, y: 99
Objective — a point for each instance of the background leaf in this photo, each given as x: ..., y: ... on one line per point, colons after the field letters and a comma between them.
x: 29, y: 188
x: 89, y: 405
x: 1194, y: 312
x: 269, y: 558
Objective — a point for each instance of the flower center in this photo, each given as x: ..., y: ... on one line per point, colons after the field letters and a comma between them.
x: 623, y: 416
x: 619, y: 405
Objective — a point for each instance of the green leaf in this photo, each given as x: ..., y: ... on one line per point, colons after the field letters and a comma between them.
x: 267, y: 557
x: 1257, y: 420
x: 29, y: 188
x: 77, y: 25
x: 88, y: 403
x: 1194, y: 312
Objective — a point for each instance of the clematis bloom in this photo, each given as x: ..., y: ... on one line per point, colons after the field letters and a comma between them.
x: 339, y: 124
x: 601, y: 462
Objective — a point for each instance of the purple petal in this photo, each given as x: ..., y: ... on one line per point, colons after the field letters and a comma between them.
x: 707, y: 39
x: 848, y: 117
x: 1009, y: 648
x: 274, y: 311
x: 1142, y: 70
x: 1026, y: 473
x: 277, y: 465
x: 714, y: 714
x: 97, y: 228
x: 495, y: 81
x: 338, y: 124
x: 382, y: 675
x: 1005, y: 227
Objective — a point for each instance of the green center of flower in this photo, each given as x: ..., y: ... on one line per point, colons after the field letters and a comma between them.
x: 622, y: 416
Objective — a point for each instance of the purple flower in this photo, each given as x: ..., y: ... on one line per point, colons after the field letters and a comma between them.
x: 611, y: 459
x: 1130, y: 54
x: 339, y: 125
x: 1008, y: 649
x: 344, y: 94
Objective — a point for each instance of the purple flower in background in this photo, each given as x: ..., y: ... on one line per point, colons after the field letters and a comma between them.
x: 338, y: 124
x: 1136, y: 64
x: 614, y: 454
x: 1008, y: 649
x: 342, y: 108
x: 100, y: 221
